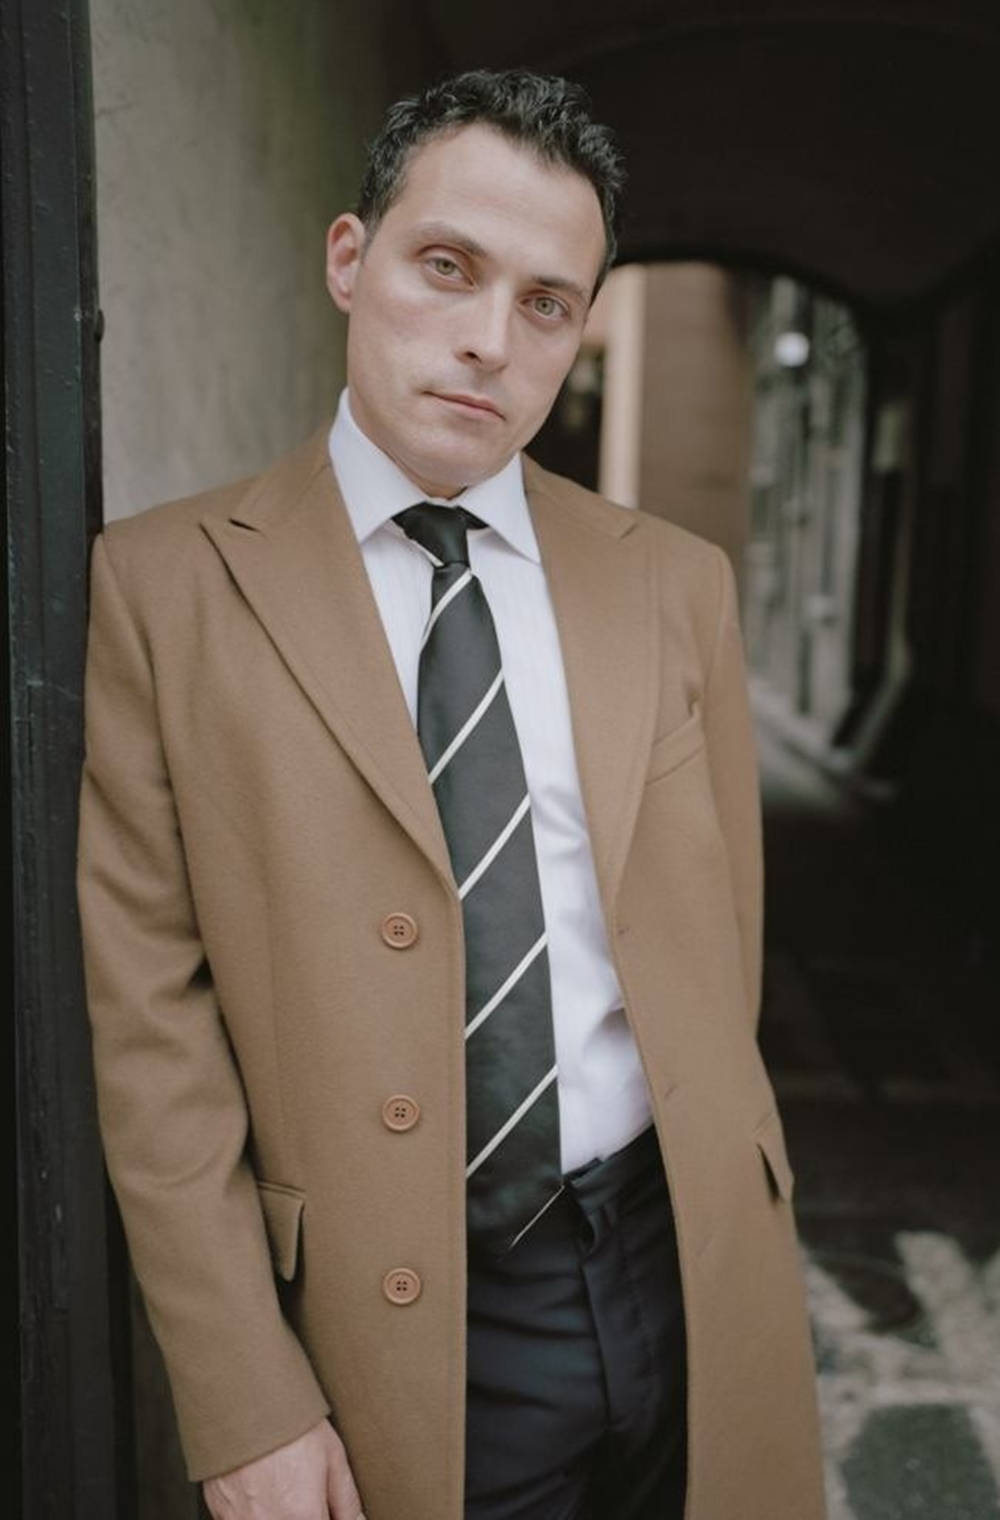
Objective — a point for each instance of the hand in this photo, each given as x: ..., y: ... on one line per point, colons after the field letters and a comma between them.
x: 309, y: 1479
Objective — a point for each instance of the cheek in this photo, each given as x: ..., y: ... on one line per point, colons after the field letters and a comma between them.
x: 543, y: 367
x: 392, y: 313
x: 405, y: 307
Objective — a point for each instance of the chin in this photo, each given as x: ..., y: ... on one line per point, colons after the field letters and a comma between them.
x: 455, y: 469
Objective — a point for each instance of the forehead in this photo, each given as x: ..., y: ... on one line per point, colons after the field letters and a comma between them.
x: 504, y: 196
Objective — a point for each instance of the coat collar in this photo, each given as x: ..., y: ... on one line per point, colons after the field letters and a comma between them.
x: 293, y: 553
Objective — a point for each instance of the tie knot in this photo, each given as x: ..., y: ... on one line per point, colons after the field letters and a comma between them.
x: 442, y: 531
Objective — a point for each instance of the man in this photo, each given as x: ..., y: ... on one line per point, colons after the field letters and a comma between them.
x: 420, y: 880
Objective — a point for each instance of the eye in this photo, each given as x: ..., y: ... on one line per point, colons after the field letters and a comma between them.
x: 443, y: 265
x: 549, y: 307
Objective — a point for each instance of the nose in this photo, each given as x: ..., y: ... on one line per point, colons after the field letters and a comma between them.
x: 486, y: 334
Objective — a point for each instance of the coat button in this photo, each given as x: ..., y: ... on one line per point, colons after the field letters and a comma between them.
x: 401, y: 1285
x: 400, y: 1112
x: 399, y: 930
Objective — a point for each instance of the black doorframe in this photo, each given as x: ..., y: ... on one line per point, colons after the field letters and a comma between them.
x: 75, y: 1397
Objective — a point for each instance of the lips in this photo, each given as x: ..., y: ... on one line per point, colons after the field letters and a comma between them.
x: 469, y: 403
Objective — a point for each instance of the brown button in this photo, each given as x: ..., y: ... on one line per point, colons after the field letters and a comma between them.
x: 400, y: 1112
x: 401, y: 1285
x: 399, y: 930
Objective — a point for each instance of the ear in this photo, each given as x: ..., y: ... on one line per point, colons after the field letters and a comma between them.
x: 344, y: 244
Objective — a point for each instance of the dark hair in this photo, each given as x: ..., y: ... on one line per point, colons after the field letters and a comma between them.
x: 543, y: 112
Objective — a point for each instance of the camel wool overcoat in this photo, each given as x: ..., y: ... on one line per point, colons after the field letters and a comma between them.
x: 274, y: 958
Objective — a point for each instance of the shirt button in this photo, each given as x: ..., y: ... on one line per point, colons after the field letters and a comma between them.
x: 400, y: 1112
x: 401, y: 1286
x: 399, y: 930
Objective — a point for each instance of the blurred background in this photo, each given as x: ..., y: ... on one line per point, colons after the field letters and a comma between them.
x: 798, y: 357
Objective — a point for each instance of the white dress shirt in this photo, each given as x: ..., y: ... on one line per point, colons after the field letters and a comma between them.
x: 603, y: 1096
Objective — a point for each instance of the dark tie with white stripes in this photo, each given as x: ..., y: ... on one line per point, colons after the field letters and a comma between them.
x: 474, y: 762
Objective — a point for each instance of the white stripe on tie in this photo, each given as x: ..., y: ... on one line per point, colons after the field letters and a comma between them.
x: 511, y: 981
x: 466, y: 728
x: 515, y: 1118
x: 534, y: 1220
x: 449, y: 596
x: 495, y: 847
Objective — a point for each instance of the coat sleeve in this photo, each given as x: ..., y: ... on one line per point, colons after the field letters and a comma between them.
x: 733, y: 766
x: 172, y: 1111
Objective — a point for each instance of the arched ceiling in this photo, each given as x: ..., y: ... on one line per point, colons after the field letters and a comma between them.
x: 857, y: 143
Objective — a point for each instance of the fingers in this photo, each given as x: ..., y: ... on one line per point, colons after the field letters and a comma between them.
x: 309, y: 1479
x: 342, y: 1493
x: 289, y: 1483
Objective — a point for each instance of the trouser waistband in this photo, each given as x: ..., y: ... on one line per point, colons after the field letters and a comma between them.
x: 600, y: 1180
x: 588, y: 1205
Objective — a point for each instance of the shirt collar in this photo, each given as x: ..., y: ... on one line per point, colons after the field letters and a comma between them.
x: 374, y: 488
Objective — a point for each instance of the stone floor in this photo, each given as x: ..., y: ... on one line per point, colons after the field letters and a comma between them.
x: 882, y: 1034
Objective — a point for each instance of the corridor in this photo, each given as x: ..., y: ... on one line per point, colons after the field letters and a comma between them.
x: 881, y: 1034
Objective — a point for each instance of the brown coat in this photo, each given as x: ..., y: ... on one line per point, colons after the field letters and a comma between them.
x: 255, y: 806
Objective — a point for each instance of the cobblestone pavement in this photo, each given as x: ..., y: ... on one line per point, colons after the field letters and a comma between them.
x: 880, y: 1029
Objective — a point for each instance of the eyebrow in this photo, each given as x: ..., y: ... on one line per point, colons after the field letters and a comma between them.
x: 443, y: 232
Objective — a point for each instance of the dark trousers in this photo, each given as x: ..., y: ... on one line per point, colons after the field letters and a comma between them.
x: 576, y: 1357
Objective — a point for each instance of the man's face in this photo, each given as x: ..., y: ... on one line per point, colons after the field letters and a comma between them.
x: 466, y: 305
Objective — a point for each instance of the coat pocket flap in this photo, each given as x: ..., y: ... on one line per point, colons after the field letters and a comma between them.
x: 282, y: 1208
x: 770, y: 1140
x: 671, y: 749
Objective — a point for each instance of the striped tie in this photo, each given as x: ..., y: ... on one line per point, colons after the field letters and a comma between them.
x: 474, y: 763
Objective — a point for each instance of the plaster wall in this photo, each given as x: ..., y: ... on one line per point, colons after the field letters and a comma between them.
x: 229, y: 133
x: 697, y: 403
x: 620, y: 311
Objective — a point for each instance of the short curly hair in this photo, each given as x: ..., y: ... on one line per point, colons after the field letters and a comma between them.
x: 542, y: 112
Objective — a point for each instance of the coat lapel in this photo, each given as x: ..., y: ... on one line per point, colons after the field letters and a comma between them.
x: 600, y: 577
x: 290, y: 547
x: 292, y: 551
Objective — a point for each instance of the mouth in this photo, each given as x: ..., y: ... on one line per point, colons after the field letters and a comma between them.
x: 470, y: 405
